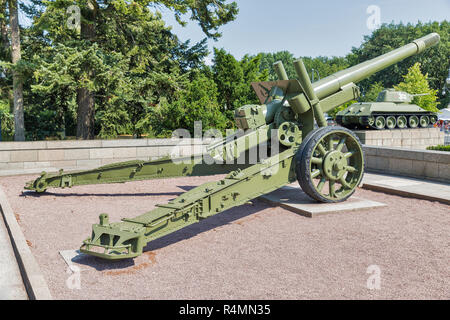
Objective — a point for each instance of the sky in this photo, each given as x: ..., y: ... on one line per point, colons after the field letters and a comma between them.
x: 309, y: 27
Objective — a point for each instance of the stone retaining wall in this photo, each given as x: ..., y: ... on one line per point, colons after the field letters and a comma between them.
x: 407, y: 138
x: 433, y: 165
x: 33, y: 157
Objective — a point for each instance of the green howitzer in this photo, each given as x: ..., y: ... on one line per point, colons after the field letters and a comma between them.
x: 328, y: 162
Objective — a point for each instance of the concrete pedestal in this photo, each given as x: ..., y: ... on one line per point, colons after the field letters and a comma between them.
x: 404, y: 138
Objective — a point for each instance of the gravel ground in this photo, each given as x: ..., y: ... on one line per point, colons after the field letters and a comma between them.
x: 254, y: 251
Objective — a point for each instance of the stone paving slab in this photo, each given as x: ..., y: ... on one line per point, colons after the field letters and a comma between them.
x: 11, y: 284
x: 294, y: 199
x: 71, y: 257
x: 408, y: 187
x: 33, y: 280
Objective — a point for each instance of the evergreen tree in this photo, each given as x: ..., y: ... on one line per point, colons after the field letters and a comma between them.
x: 233, y: 79
x: 151, y: 50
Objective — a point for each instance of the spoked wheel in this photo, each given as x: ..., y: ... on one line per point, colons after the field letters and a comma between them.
x: 424, y: 121
x: 413, y: 122
x: 380, y: 122
x: 391, y: 122
x: 402, y: 122
x: 330, y: 164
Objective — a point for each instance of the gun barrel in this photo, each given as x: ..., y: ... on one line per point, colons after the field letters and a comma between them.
x: 333, y: 83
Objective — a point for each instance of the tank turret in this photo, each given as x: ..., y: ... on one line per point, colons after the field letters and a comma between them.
x: 395, y: 96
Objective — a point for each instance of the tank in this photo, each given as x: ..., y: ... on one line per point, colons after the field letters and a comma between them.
x: 392, y: 110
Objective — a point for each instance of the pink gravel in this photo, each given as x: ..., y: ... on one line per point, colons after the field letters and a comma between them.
x: 250, y: 252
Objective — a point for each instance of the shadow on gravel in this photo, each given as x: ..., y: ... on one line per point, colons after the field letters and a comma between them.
x: 65, y: 195
x: 145, y: 194
x: 219, y: 220
x: 191, y: 231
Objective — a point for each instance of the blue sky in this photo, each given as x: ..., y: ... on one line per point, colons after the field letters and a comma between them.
x: 309, y: 27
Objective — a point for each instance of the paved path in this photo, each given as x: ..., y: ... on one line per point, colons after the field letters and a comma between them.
x: 411, y: 187
x: 11, y: 284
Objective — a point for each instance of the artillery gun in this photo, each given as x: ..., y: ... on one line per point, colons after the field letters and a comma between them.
x: 392, y: 110
x: 328, y: 162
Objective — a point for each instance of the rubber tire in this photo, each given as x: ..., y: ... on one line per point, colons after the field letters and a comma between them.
x: 302, y: 163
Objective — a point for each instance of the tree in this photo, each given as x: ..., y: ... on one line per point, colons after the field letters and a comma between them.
x: 123, y: 26
x: 209, y: 14
x: 233, y: 79
x: 372, y: 94
x: 19, y: 123
x: 414, y: 82
x: 198, y: 102
x: 268, y: 59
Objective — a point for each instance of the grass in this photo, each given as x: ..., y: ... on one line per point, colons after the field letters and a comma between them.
x: 440, y: 148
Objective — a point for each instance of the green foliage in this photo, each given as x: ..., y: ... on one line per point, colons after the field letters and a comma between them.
x: 134, y: 63
x: 439, y: 148
x: 372, y: 94
x: 210, y: 14
x: 416, y: 83
x: 233, y: 79
x: 7, y: 121
x: 319, y: 67
x: 198, y: 102
x: 268, y: 59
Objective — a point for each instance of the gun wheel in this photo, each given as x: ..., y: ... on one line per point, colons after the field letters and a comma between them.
x: 330, y: 164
